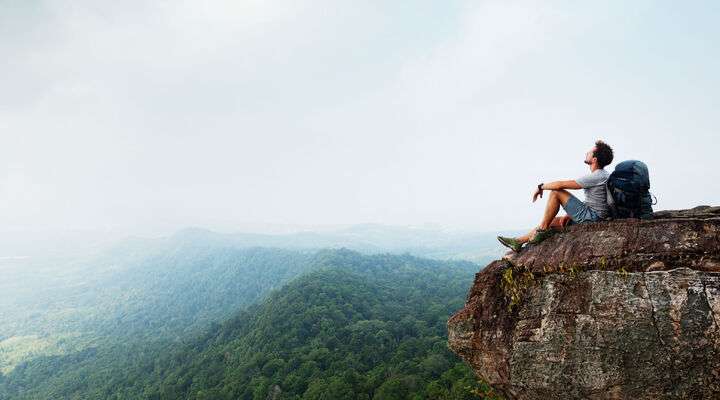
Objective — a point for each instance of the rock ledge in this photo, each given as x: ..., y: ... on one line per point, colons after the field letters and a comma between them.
x: 624, y: 309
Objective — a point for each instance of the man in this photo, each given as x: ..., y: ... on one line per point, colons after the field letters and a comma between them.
x: 593, y: 209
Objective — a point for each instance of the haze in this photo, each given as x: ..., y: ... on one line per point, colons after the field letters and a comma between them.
x: 147, y: 117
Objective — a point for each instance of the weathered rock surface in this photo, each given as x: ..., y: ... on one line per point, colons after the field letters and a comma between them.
x: 625, y: 309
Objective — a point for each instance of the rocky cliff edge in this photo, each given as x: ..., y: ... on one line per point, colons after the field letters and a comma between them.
x: 624, y: 309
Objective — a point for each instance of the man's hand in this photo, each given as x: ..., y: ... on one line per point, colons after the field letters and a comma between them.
x: 538, y: 192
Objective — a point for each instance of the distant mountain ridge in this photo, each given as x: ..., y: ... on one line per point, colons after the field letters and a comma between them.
x: 368, y: 239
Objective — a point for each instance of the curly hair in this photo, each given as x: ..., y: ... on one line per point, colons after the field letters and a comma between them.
x: 603, y: 153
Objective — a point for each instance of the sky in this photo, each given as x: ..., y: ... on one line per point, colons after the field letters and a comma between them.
x: 147, y: 117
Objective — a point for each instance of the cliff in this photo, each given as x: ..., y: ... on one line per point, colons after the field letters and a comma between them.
x: 624, y: 309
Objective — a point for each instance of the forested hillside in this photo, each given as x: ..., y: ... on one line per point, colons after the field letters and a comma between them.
x: 369, y: 327
x: 134, y: 292
x: 175, y: 287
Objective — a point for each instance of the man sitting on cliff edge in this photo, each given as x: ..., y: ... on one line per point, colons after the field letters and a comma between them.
x: 593, y: 209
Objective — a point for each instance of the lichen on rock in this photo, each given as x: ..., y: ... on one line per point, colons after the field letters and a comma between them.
x: 624, y: 309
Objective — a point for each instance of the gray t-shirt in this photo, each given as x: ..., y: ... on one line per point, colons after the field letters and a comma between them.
x: 595, y: 191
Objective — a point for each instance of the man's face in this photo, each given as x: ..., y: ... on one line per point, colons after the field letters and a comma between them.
x: 589, y: 156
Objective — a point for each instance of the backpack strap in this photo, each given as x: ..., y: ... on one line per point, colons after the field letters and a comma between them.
x: 610, y: 200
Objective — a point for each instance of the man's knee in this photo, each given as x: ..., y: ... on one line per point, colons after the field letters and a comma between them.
x: 561, y: 194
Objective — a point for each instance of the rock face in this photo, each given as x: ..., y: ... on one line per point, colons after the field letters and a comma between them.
x: 624, y: 309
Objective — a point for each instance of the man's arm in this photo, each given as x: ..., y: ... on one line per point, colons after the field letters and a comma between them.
x: 556, y: 185
x: 561, y: 185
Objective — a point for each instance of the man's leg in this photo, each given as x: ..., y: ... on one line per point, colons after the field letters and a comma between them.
x: 561, y: 222
x: 556, y: 199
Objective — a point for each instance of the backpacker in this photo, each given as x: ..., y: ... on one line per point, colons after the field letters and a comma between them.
x: 629, y: 187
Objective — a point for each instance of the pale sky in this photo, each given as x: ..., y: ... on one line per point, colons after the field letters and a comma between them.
x: 152, y: 116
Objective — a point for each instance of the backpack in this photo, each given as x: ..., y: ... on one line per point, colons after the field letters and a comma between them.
x: 629, y: 187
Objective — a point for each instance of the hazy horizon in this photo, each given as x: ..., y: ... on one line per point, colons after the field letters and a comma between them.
x: 144, y: 118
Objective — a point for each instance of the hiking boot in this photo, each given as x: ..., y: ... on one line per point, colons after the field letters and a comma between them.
x: 541, y: 234
x: 511, y: 243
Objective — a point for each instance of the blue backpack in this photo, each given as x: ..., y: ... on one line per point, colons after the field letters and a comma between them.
x: 629, y: 187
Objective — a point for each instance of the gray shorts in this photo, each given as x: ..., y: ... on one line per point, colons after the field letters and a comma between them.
x: 579, y: 212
